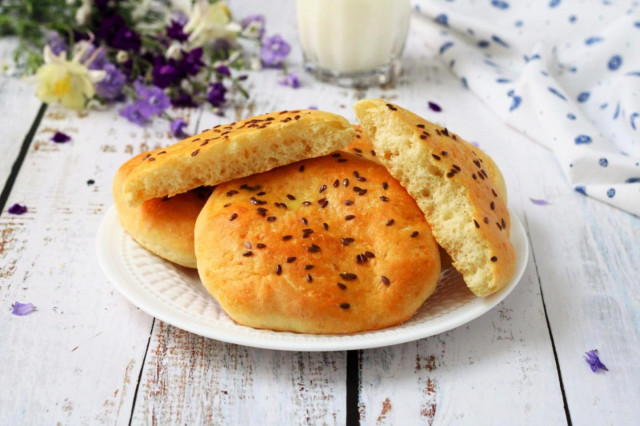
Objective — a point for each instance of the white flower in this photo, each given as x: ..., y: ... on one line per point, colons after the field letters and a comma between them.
x: 84, y: 12
x: 122, y: 56
x: 70, y: 83
x: 209, y: 22
x: 174, y: 51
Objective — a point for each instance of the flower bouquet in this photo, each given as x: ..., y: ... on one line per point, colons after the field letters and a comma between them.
x: 148, y: 54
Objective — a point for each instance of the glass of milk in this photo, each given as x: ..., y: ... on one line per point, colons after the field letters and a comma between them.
x: 355, y: 43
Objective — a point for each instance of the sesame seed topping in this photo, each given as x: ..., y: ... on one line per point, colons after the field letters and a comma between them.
x: 261, y: 211
x: 301, y: 169
x: 287, y: 237
x: 335, y: 155
x: 313, y: 248
x: 291, y: 197
x: 391, y: 107
x: 385, y: 280
x: 306, y: 203
x: 194, y: 153
x: 247, y: 254
x: 456, y: 167
x: 151, y: 159
x: 278, y: 269
x: 346, y: 241
x: 348, y: 203
x: 486, y: 220
x: 227, y: 205
x: 306, y: 233
x: 423, y: 137
x: 309, y: 278
x: 323, y: 203
x: 271, y: 219
x: 369, y: 254
x: 477, y: 163
x: 342, y: 160
x: 494, y: 259
x: 476, y: 223
x: 383, y: 198
x: 504, y: 224
x: 420, y: 126
x: 390, y: 222
x: 307, y: 267
x: 347, y: 276
x: 336, y: 183
x: 358, y: 150
x: 444, y: 153
x: 261, y: 193
x: 233, y: 217
x: 437, y: 157
x: 260, y: 245
x: 414, y: 234
x: 494, y: 193
x: 362, y: 192
x: 450, y: 174
x: 474, y: 176
x: 346, y: 305
x: 322, y: 189
x: 342, y: 286
x: 493, y: 205
x: 304, y: 221
x: 291, y: 259
x: 499, y: 226
x: 361, y: 258
x: 373, y: 153
x: 325, y: 226
x: 345, y: 182
x: 349, y: 217
x: 232, y: 192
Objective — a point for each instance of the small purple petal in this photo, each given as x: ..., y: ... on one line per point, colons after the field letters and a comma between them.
x: 312, y: 107
x: 224, y: 70
x: 594, y: 361
x: 291, y: 80
x: 17, y: 209
x: 475, y: 144
x: 539, y: 202
x: 177, y: 128
x: 21, y: 309
x: 60, y: 137
x: 274, y: 50
x: 434, y: 107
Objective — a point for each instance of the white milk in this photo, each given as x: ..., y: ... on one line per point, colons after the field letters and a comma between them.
x: 348, y: 36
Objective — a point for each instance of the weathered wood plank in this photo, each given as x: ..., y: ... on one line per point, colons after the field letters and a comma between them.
x: 18, y: 108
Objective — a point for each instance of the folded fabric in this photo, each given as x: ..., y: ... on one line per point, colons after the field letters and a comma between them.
x: 564, y: 73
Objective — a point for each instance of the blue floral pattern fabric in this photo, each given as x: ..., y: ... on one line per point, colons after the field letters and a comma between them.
x: 565, y: 73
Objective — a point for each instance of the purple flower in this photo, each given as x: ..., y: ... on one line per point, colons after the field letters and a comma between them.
x: 135, y: 114
x: 539, y: 202
x: 165, y: 72
x: 152, y: 98
x: 22, y: 309
x: 216, y: 95
x: 126, y: 39
x: 191, y: 61
x: 434, y: 107
x: 594, y: 361
x: 224, y: 70
x: 312, y: 107
x: 291, y: 80
x: 17, y: 209
x: 111, y: 86
x: 254, y: 26
x: 183, y: 100
x: 60, y: 137
x: 99, y: 58
x: 175, y: 31
x: 56, y: 43
x: 177, y: 128
x: 274, y: 50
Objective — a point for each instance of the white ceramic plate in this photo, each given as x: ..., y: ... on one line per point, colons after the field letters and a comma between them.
x: 175, y: 295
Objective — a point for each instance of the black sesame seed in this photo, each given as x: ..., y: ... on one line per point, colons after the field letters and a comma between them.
x: 456, y: 167
x: 291, y: 259
x: 346, y: 241
x: 484, y: 172
x: 358, y: 150
x: 342, y: 286
x: 391, y: 107
x: 373, y: 153
x: 369, y: 254
x: 362, y: 192
x: 345, y: 182
x: 423, y: 137
x: 336, y: 183
x: 438, y: 132
x: 307, y: 267
x: 309, y: 278
x: 233, y: 217
x: 362, y: 179
x: 493, y: 205
x: 325, y: 226
x: 347, y: 276
x: 342, y: 160
x: 494, y: 259
x: 414, y: 234
x: 306, y: 203
x: 91, y: 182
x: 304, y: 221
x: 271, y: 219
x: 437, y: 157
x: 504, y: 224
x: 356, y: 174
x: 232, y: 192
x: 227, y: 205
x: 450, y: 174
x: 476, y: 223
x: 287, y: 237
x: 348, y: 203
x: 360, y: 258
x: 420, y: 126
x: 445, y: 132
x: 247, y: 244
x: 346, y: 305
x: 323, y: 203
x: 444, y: 153
x: 481, y: 176
x: 385, y: 185
x: 301, y: 169
x: 385, y: 280
x: 322, y: 189
x: 477, y: 163
x: 474, y: 176
x: 306, y: 233
x: 247, y: 254
x: 390, y: 222
x: 349, y: 217
x: 278, y: 269
x: 499, y: 226
x: 261, y: 193
x: 494, y: 193
x: 261, y: 211
x: 336, y: 155
x: 291, y: 197
x: 260, y: 245
x: 383, y: 198
x: 486, y: 220
x: 313, y: 248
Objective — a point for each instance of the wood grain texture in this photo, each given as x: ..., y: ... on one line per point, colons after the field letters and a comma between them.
x: 17, y: 110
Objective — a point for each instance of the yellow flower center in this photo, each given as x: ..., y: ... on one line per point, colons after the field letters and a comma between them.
x: 62, y: 86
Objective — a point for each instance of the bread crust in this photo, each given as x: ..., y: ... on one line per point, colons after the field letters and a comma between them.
x: 458, y: 187
x: 275, y: 248
x: 238, y: 149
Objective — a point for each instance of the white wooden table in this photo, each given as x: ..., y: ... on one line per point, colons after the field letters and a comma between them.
x: 88, y: 356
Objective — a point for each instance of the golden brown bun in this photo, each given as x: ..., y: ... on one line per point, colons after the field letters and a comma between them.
x: 457, y: 186
x: 163, y: 226
x: 270, y: 286
x: 235, y: 150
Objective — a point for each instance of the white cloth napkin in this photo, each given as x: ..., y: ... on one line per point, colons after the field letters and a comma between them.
x: 564, y: 72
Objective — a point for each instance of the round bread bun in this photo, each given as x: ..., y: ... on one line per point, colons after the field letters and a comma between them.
x: 235, y: 150
x: 164, y: 226
x: 328, y: 245
x: 458, y: 187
